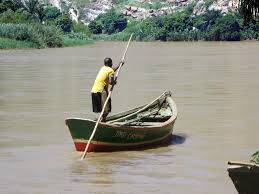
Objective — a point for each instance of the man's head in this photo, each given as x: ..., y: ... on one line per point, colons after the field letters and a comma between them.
x: 108, y: 62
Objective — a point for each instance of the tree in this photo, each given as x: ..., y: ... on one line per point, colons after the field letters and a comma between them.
x: 226, y: 28
x: 80, y: 28
x: 16, y: 17
x: 40, y: 12
x: 250, y: 9
x: 95, y: 27
x: 179, y: 21
x: 31, y: 6
x: 64, y: 22
x: 161, y: 34
x: 10, y: 5
x: 34, y: 8
x: 51, y: 13
x: 207, y: 20
x: 111, y: 22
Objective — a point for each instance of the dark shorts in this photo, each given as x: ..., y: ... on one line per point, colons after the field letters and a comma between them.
x: 98, y: 100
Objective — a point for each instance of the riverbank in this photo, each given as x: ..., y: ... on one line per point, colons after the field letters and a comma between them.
x: 6, y: 43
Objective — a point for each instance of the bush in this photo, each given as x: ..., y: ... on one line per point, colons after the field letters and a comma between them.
x: 181, y: 26
x: 13, y: 17
x: 205, y: 21
x: 80, y: 36
x: 250, y: 31
x: 9, y: 5
x: 42, y: 36
x: 108, y: 23
x: 51, y: 13
x: 11, y: 44
x: 72, y: 39
x: 176, y: 26
x: 95, y: 27
x: 64, y: 22
x: 35, y: 9
x: 226, y: 28
x: 51, y: 35
x: 80, y: 28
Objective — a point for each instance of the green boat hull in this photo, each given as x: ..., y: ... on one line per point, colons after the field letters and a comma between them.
x: 127, y: 130
x: 245, y: 177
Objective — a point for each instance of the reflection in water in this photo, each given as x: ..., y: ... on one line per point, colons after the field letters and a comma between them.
x: 216, y: 89
x: 92, y: 172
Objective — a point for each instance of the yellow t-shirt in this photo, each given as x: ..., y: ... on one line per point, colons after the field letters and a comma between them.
x: 102, y: 79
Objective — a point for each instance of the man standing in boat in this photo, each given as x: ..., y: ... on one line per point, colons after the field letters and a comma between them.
x: 101, y: 86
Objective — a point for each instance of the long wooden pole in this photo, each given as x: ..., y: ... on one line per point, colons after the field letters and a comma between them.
x: 242, y: 163
x: 108, y: 97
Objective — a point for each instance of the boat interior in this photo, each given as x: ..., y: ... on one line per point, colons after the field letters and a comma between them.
x: 151, y: 114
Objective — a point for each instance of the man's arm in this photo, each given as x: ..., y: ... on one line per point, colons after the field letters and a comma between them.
x: 117, y: 67
x: 112, y: 80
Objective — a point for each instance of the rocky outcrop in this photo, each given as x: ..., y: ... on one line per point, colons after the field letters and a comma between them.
x: 95, y: 8
x: 224, y: 6
x: 142, y: 13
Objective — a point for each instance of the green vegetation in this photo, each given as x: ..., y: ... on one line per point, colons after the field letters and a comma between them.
x: 41, y: 36
x: 38, y: 25
x: 208, y: 3
x: 250, y: 10
x: 6, y: 43
x: 14, y: 17
x: 225, y: 28
x: 51, y: 13
x: 74, y: 39
x: 255, y: 157
x: 108, y: 23
x: 180, y: 26
x: 80, y: 28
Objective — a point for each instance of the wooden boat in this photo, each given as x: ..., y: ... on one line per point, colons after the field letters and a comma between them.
x: 146, y: 126
x: 245, y: 177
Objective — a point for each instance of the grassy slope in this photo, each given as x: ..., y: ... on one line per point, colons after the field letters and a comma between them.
x: 76, y: 42
x: 6, y: 43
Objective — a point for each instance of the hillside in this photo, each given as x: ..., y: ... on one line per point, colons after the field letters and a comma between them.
x: 57, y: 23
x: 142, y: 9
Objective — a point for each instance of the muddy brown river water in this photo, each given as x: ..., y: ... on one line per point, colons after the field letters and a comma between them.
x: 215, y: 86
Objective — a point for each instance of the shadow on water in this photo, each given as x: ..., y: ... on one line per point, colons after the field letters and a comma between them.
x: 178, y: 139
